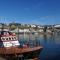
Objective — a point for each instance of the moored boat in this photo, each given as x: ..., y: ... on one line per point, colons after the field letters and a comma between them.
x: 10, y: 46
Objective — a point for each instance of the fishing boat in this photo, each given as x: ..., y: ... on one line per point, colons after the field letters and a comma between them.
x: 10, y: 47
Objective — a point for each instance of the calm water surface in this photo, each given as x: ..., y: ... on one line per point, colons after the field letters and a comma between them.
x: 50, y: 43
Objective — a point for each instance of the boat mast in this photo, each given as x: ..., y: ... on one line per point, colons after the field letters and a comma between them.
x: 18, y: 32
x: 2, y: 26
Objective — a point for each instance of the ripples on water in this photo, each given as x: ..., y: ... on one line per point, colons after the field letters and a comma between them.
x: 50, y: 43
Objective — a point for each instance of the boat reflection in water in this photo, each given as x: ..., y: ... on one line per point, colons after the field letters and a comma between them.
x: 10, y: 47
x: 50, y: 43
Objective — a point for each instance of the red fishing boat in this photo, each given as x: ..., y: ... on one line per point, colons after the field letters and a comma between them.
x: 10, y: 47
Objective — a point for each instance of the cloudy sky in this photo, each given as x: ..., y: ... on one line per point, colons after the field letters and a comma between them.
x: 30, y: 11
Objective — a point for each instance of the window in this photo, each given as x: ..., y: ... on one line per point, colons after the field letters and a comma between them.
x: 7, y: 38
x: 2, y: 38
x: 14, y: 38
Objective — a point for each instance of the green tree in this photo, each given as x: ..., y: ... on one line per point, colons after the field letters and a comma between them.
x: 45, y: 28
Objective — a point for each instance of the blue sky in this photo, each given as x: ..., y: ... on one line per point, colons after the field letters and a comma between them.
x: 30, y: 11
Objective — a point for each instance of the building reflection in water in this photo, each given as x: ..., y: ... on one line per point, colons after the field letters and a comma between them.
x: 38, y: 39
x: 51, y: 44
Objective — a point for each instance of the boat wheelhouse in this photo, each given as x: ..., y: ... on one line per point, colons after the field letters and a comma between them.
x: 8, y: 39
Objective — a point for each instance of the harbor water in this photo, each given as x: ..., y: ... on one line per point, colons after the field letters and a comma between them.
x: 50, y: 43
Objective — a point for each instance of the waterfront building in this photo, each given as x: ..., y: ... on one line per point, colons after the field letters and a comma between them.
x: 33, y: 26
x: 57, y: 26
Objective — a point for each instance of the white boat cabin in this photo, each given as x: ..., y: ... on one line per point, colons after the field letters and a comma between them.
x: 8, y: 39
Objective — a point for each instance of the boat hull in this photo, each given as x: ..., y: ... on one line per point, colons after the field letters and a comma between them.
x: 27, y: 53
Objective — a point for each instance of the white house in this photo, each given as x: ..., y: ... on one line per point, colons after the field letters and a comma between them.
x: 41, y: 30
x: 57, y: 26
x: 33, y: 26
x: 39, y: 26
x: 20, y: 30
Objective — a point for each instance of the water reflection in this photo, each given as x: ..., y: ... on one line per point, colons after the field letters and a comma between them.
x: 51, y: 44
x: 41, y: 38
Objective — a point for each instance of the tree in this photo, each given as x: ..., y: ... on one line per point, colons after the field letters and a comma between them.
x: 45, y: 28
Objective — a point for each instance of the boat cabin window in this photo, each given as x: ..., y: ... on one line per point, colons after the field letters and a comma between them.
x: 7, y: 38
x: 12, y: 38
x: 10, y: 33
x: 2, y: 38
x: 4, y: 33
